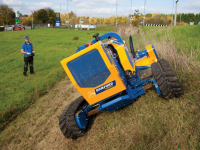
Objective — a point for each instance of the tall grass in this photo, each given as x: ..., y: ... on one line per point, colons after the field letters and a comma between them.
x: 166, y: 45
x: 187, y: 67
x: 179, y: 121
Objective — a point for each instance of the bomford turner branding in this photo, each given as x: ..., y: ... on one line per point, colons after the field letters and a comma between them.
x: 101, y: 89
x: 105, y: 87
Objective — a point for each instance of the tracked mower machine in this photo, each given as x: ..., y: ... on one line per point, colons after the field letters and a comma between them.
x: 109, y: 76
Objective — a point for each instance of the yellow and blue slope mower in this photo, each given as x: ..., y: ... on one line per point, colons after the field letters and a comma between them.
x: 109, y: 76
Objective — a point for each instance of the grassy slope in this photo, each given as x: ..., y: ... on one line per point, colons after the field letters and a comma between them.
x: 186, y: 38
x: 150, y: 123
x: 51, y: 46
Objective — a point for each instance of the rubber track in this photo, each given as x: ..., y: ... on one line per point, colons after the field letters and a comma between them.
x: 171, y: 78
x: 161, y: 81
x: 67, y: 120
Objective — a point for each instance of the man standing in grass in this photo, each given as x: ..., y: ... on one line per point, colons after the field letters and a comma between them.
x: 27, y: 50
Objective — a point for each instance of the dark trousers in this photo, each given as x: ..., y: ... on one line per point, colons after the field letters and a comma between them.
x: 28, y: 60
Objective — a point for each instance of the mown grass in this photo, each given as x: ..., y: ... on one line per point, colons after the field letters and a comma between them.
x: 51, y: 46
x: 105, y: 28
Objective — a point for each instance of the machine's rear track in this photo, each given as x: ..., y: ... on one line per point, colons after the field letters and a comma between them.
x: 166, y: 79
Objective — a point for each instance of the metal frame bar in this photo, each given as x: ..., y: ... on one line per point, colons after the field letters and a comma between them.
x: 107, y: 35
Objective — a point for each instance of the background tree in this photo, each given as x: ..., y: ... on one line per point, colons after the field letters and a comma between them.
x: 136, y: 20
x: 197, y: 18
x: 63, y: 18
x: 26, y: 21
x: 47, y: 15
x: 98, y: 20
x: 191, y: 17
x: 119, y: 19
x: 105, y: 21
x: 72, y: 14
x: 112, y: 20
x: 52, y: 15
x: 85, y: 19
x: 148, y: 15
x: 43, y: 15
x: 7, y: 15
x: 169, y: 19
x: 124, y: 20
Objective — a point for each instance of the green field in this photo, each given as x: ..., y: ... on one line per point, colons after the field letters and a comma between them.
x: 185, y: 38
x: 188, y: 39
x: 51, y: 46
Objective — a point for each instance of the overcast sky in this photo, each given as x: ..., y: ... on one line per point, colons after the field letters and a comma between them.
x: 105, y: 8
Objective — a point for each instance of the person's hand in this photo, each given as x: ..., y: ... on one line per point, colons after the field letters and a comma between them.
x: 28, y: 53
x: 33, y: 52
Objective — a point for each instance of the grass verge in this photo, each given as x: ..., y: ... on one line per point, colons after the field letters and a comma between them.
x: 51, y: 46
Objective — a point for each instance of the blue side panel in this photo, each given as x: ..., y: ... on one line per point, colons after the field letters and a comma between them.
x: 156, y: 86
x: 155, y: 51
x: 114, y: 104
x: 89, y: 70
x: 81, y: 119
x: 142, y: 53
x: 119, y: 104
x: 133, y: 94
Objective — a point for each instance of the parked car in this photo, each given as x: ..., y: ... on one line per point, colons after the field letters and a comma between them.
x: 9, y: 28
x: 1, y: 28
x: 18, y: 27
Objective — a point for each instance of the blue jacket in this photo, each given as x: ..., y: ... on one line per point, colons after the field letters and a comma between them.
x: 27, y: 48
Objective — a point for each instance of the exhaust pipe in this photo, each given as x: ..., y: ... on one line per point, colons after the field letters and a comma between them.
x: 131, y: 46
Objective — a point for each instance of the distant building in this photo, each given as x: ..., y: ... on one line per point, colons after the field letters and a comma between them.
x: 191, y: 23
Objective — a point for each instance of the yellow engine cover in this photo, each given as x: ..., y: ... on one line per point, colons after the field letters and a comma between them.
x: 93, y: 73
x: 124, y: 54
x: 147, y: 60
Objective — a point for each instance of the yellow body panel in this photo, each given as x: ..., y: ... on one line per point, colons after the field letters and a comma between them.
x: 122, y: 52
x: 148, y: 60
x: 89, y: 93
x: 145, y: 61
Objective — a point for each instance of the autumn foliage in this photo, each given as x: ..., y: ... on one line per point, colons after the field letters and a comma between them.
x: 7, y: 15
x: 47, y: 15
